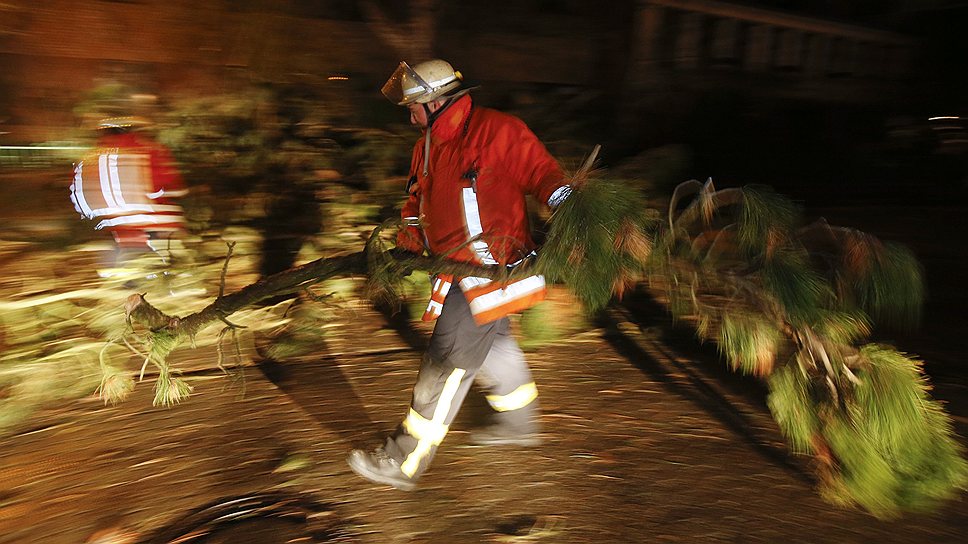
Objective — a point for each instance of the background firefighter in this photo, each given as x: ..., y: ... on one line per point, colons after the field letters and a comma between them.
x: 129, y: 186
x: 469, y: 178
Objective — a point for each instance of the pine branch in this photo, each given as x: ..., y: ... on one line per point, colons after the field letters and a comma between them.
x: 791, y: 305
x: 787, y: 304
x: 139, y: 310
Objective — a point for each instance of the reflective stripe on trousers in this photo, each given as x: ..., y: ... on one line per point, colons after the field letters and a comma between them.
x: 458, y: 350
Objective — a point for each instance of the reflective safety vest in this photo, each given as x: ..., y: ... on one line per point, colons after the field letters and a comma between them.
x: 116, y: 188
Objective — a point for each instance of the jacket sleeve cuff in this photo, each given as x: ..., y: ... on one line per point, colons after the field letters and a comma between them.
x: 559, y: 196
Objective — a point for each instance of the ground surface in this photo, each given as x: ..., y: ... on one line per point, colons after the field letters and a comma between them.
x: 646, y: 440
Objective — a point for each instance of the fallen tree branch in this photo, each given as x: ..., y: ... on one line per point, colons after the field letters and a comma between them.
x: 139, y: 310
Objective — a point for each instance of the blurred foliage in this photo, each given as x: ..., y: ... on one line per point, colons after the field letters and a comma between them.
x: 275, y: 140
x: 894, y: 444
x: 549, y: 322
x: 301, y: 336
x: 794, y: 303
x: 790, y: 303
x: 598, y: 241
x: 656, y: 171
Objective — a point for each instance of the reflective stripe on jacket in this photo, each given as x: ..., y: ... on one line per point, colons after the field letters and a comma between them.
x: 127, y: 183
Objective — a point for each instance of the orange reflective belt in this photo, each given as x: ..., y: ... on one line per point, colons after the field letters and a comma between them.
x: 488, y: 300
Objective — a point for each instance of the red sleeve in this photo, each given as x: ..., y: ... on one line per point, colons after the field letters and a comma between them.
x: 164, y: 174
x: 410, y: 236
x: 529, y: 162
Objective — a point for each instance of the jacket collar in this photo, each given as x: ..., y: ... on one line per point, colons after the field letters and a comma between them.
x: 450, y: 124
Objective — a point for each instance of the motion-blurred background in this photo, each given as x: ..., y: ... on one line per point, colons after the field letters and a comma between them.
x: 788, y: 92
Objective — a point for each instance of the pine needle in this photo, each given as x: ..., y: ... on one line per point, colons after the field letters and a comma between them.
x: 800, y: 291
x: 894, y: 445
x: 749, y: 343
x: 793, y: 408
x: 116, y: 385
x: 766, y: 220
x: 598, y: 241
x: 893, y: 289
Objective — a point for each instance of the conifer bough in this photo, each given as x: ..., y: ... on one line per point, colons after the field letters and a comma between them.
x: 793, y: 305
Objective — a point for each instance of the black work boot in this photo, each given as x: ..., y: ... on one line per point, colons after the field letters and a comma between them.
x: 377, y: 466
x: 500, y: 435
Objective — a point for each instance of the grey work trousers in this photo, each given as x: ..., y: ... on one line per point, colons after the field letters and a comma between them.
x: 459, y: 351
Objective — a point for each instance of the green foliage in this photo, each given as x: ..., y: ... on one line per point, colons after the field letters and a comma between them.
x: 793, y: 408
x: 169, y: 389
x: 749, y: 342
x: 895, y: 444
x: 892, y: 445
x: 597, y: 241
x: 843, y: 328
x: 380, y: 158
x: 801, y: 292
x: 230, y: 134
x: 539, y: 326
x: 890, y: 286
x: 766, y: 220
x: 53, y: 338
x: 384, y: 273
x: 415, y: 290
x: 771, y: 291
x: 116, y: 385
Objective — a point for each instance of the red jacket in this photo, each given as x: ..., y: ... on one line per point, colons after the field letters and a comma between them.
x: 470, y: 205
x: 129, y: 183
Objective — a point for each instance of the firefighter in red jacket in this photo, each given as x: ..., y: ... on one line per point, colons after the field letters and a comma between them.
x: 129, y: 186
x: 469, y: 178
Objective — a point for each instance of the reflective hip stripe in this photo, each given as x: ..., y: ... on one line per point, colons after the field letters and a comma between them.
x: 424, y: 443
x: 472, y: 216
x: 517, y: 399
x: 142, y: 220
x: 489, y: 301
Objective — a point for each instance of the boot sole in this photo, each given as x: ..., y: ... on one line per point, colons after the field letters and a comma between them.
x: 375, y: 477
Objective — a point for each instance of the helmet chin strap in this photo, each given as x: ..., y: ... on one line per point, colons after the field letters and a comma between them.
x: 431, y: 117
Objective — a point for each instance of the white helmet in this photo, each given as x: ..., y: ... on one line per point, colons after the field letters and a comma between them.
x: 423, y: 83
